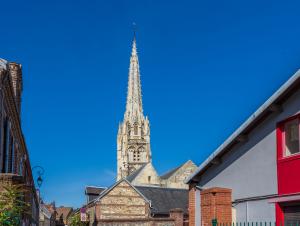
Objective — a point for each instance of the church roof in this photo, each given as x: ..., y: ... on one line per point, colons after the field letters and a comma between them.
x: 165, y: 199
x: 170, y: 172
x: 134, y: 174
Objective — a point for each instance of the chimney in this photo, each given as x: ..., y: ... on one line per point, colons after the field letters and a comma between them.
x: 177, y: 216
x: 15, y: 71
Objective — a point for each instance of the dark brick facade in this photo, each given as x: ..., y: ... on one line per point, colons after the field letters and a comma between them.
x: 14, y: 159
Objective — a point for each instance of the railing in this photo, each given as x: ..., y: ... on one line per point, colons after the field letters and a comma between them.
x: 291, y: 222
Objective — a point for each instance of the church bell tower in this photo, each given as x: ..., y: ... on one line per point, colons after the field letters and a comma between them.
x: 133, y: 141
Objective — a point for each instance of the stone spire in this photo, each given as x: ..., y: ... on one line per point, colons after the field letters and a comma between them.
x: 133, y: 140
x: 134, y: 106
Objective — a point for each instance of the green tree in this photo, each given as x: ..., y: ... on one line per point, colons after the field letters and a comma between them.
x: 12, y: 205
x: 75, y: 221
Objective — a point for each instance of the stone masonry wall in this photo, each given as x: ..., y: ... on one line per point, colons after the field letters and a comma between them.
x: 122, y: 202
x: 177, y: 180
x: 138, y: 222
x: 177, y: 215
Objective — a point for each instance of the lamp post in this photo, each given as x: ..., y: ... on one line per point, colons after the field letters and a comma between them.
x: 40, y: 171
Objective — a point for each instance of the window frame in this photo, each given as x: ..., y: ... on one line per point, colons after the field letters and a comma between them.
x: 281, y: 145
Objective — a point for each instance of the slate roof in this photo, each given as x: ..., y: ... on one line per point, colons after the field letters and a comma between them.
x: 134, y: 174
x: 92, y: 190
x: 164, y: 199
x: 170, y: 173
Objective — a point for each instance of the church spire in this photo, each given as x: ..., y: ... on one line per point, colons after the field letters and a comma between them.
x: 134, y: 107
x: 133, y: 140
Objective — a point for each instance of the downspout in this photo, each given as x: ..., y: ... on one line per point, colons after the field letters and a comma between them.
x: 247, y: 217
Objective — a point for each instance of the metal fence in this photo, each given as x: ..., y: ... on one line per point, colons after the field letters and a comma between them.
x: 295, y: 222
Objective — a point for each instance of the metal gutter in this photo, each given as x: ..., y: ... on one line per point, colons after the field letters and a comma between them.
x: 245, y: 125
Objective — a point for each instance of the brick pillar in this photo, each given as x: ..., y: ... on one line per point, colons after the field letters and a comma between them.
x: 177, y: 215
x: 15, y: 71
x: 216, y: 204
x: 192, y: 204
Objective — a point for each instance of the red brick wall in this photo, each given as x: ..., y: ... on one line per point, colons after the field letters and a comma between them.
x: 192, y: 205
x: 216, y: 204
x: 177, y: 215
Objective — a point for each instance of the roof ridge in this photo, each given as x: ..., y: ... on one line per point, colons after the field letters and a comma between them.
x: 135, y: 173
x: 172, y: 171
x: 163, y: 188
x: 91, y: 186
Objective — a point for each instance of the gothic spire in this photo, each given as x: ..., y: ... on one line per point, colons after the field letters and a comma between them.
x: 134, y: 107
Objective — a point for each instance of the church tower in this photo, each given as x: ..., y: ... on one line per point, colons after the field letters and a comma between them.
x: 133, y: 141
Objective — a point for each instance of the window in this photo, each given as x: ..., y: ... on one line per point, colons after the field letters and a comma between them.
x: 149, y: 179
x: 136, y: 156
x: 6, y: 147
x: 135, y: 129
x: 291, y: 137
x: 21, y: 166
x: 12, y: 156
x: 131, y: 153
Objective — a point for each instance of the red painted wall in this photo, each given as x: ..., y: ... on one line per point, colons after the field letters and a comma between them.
x: 288, y: 168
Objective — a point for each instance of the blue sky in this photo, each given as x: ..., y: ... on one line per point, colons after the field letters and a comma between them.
x: 205, y: 67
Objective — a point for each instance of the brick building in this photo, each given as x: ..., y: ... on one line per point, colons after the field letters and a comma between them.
x: 124, y: 204
x: 15, y: 166
x: 258, y: 164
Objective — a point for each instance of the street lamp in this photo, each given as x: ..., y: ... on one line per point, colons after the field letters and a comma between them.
x: 40, y: 171
x: 39, y: 181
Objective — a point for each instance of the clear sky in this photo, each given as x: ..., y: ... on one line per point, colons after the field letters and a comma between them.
x: 205, y: 67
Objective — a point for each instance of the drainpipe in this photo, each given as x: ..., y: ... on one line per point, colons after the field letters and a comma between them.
x: 247, y: 217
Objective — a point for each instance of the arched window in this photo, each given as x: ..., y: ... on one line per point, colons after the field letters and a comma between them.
x: 128, y: 129
x: 142, y: 154
x: 131, y: 154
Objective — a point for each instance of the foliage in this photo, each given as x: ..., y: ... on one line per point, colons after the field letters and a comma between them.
x: 75, y: 221
x: 12, y: 205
